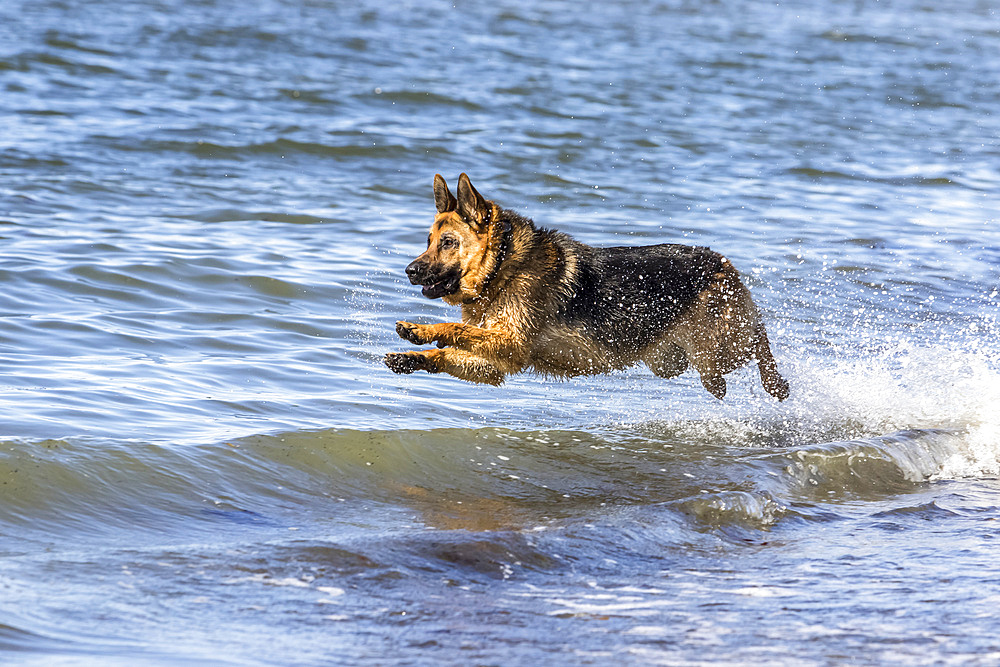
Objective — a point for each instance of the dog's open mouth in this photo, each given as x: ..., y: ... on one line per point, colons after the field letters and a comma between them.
x: 447, y: 285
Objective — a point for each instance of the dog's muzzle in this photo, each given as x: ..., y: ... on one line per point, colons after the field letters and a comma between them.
x: 435, y: 283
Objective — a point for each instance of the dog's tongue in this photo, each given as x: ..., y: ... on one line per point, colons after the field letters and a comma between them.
x: 440, y: 288
x: 433, y: 290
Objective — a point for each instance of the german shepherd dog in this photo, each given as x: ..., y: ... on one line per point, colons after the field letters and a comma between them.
x: 535, y: 299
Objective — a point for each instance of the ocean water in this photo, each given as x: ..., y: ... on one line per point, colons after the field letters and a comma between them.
x: 205, y: 212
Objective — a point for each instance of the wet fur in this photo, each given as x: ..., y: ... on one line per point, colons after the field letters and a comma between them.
x: 535, y: 299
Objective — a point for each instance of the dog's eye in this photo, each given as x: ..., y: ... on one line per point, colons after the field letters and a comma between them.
x: 447, y: 243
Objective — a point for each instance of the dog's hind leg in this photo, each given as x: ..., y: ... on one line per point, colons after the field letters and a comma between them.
x: 667, y: 360
x: 711, y: 375
x: 698, y: 335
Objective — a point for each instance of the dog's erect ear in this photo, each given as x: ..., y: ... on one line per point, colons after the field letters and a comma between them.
x: 471, y: 205
x: 443, y: 199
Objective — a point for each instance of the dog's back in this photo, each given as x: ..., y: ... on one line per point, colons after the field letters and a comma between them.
x: 627, y: 296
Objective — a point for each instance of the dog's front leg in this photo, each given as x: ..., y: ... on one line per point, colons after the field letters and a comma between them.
x: 495, y: 343
x: 420, y: 334
x: 461, y: 364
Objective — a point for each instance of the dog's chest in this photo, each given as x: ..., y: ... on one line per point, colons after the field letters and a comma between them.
x: 499, y: 313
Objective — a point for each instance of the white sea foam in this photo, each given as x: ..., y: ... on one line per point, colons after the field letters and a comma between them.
x: 953, y: 387
x: 850, y: 394
x: 268, y: 580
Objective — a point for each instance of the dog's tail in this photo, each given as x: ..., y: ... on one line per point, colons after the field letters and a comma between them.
x: 743, y: 330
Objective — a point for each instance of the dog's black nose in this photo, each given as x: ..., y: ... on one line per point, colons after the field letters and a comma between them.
x: 416, y: 270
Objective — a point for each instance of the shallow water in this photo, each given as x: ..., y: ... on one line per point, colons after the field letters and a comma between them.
x: 205, y: 211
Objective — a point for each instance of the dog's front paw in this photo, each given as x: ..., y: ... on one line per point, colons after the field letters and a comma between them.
x: 415, y: 333
x: 406, y: 362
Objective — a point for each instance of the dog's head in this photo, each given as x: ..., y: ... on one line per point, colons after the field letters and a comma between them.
x: 458, y: 244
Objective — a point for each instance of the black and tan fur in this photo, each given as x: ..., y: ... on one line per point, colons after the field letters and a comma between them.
x: 535, y: 299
